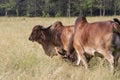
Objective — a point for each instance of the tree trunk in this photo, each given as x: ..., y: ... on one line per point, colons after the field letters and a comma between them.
x: 68, y: 9
x: 104, y: 3
x: 35, y: 7
x: 81, y: 9
x: 115, y: 13
x: 100, y: 12
x: 6, y: 12
x: 101, y: 6
x: 91, y: 11
x: 17, y: 12
x: 28, y: 9
x: 115, y: 7
x: 81, y: 12
x: 103, y: 11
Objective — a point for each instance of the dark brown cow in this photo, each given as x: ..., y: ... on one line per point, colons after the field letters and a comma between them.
x: 55, y: 37
x: 102, y: 37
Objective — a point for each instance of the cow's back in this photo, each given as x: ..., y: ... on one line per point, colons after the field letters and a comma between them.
x: 94, y: 36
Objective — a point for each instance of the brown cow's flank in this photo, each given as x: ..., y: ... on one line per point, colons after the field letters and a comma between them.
x: 95, y: 37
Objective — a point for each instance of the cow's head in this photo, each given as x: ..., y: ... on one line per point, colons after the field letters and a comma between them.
x: 41, y: 35
x: 38, y: 34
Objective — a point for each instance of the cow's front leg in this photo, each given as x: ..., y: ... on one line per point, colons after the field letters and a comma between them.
x: 57, y: 50
x: 78, y: 59
x: 61, y: 52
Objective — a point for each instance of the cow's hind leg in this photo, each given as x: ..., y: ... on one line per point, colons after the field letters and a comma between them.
x: 116, y: 57
x: 108, y: 55
x: 78, y: 59
x: 81, y: 56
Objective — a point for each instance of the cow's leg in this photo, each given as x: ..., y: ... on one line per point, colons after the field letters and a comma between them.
x: 108, y: 55
x: 111, y: 61
x: 116, y: 58
x: 60, y: 51
x: 80, y: 56
x: 70, y: 48
x: 57, y: 49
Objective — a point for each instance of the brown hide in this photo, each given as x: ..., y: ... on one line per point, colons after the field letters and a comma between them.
x: 95, y: 37
x: 56, y: 37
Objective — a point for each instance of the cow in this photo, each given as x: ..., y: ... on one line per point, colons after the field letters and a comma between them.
x: 102, y: 37
x: 54, y: 38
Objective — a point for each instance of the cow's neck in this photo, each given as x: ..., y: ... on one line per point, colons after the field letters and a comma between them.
x: 56, y: 37
x: 47, y: 39
x: 52, y: 39
x: 47, y: 43
x: 49, y: 50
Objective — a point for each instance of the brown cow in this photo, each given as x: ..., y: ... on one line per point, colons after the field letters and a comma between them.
x: 102, y: 37
x: 53, y: 37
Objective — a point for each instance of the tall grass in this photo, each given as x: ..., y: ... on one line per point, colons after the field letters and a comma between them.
x: 21, y: 59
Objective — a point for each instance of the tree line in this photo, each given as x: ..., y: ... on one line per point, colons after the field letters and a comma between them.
x: 58, y: 8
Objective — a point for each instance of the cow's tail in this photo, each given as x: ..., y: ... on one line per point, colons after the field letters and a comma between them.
x: 117, y: 20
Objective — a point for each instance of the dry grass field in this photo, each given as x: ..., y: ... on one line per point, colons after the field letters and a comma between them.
x: 21, y: 59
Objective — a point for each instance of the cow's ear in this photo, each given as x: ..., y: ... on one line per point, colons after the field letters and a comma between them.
x: 42, y: 35
x: 37, y: 27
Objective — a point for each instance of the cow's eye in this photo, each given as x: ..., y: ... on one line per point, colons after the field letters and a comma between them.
x: 37, y: 30
x: 34, y: 32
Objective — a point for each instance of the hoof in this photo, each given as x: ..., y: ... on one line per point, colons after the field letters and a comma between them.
x: 76, y: 64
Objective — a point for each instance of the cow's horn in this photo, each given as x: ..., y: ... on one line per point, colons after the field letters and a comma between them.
x: 49, y: 27
x: 43, y: 28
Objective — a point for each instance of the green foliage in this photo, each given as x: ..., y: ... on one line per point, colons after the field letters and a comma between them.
x: 48, y: 8
x: 58, y: 14
x: 44, y: 14
x: 8, y: 5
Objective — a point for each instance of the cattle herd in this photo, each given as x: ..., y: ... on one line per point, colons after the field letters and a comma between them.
x: 79, y: 42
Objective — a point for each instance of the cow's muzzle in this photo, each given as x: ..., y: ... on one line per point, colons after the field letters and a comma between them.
x: 30, y: 38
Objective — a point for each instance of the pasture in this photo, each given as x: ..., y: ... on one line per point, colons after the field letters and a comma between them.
x: 21, y: 59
